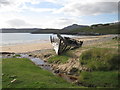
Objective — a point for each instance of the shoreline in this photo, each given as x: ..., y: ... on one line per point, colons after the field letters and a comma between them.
x: 42, y: 45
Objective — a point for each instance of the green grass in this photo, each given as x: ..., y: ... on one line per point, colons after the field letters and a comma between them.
x: 99, y: 78
x: 63, y: 58
x: 100, y: 59
x: 28, y: 75
x: 60, y: 58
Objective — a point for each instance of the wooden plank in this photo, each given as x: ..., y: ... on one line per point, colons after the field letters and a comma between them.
x: 64, y: 43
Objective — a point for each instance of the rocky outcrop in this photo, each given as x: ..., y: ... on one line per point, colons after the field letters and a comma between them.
x: 70, y: 68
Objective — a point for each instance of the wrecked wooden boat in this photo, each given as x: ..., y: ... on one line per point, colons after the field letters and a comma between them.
x: 62, y: 44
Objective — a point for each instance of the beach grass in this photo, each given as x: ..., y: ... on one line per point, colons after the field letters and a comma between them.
x: 102, y: 59
x: 28, y: 75
x: 104, y: 66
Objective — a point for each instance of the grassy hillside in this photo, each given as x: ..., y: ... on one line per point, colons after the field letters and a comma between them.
x: 102, y: 28
x: 28, y: 75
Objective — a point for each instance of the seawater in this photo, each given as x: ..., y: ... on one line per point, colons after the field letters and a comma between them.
x: 19, y: 38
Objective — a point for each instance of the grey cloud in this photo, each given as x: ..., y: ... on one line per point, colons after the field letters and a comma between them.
x: 4, y: 2
x: 90, y: 8
x: 18, y: 23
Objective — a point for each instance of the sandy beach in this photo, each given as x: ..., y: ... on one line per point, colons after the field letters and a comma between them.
x: 29, y: 47
x: 21, y: 48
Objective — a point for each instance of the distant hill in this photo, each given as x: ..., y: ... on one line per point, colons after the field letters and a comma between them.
x: 96, y: 29
x: 74, y: 26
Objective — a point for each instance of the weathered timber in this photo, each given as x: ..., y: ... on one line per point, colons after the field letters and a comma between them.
x: 62, y: 44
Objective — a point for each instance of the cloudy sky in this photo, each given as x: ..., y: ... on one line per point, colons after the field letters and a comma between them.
x: 56, y: 13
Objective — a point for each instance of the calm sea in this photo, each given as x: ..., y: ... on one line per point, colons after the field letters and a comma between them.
x: 18, y: 38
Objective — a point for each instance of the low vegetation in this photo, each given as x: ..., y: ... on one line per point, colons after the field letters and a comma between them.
x: 104, y: 65
x: 22, y: 73
x: 56, y: 58
x: 99, y: 79
x: 100, y: 59
x: 63, y: 58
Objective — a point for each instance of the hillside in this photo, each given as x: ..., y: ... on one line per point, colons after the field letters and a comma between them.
x: 109, y: 28
x: 74, y: 26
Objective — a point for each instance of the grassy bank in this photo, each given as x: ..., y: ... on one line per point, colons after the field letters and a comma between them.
x: 63, y: 58
x: 101, y: 60
x: 28, y: 75
x: 103, y: 64
x: 99, y: 79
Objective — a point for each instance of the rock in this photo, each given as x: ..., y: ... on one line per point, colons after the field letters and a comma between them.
x: 49, y: 65
x: 73, y: 71
x: 45, y: 61
x: 47, y: 55
x: 2, y: 74
x: 8, y: 55
x: 35, y: 56
x: 42, y: 64
x: 56, y: 71
x: 58, y: 61
x: 30, y: 55
x: 13, y: 80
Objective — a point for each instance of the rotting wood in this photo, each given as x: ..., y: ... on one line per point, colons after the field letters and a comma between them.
x: 63, y: 44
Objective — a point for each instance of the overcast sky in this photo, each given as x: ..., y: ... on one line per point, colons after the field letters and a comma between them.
x: 56, y: 13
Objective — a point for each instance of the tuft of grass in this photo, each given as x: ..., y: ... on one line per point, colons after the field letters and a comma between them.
x: 99, y: 79
x: 100, y: 59
x: 58, y: 58
x: 28, y: 75
x: 63, y: 58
